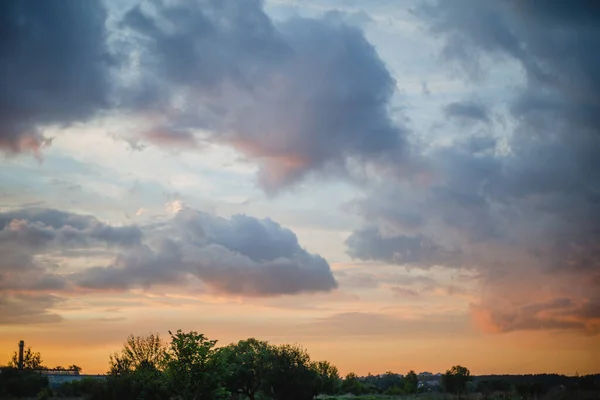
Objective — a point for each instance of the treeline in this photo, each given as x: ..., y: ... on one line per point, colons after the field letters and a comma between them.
x: 191, y: 367
x: 535, y: 386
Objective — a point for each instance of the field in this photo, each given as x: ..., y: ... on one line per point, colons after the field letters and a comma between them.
x: 553, y: 395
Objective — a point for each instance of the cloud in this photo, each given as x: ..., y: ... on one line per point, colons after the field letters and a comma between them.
x: 25, y: 309
x: 404, y: 292
x: 55, y: 68
x: 357, y: 280
x: 39, y: 227
x: 371, y: 244
x: 522, y: 211
x: 299, y: 97
x: 239, y: 256
x: 467, y: 111
x: 552, y: 314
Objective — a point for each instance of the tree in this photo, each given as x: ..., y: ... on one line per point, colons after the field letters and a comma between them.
x: 291, y: 375
x: 19, y: 384
x: 147, y: 383
x: 455, y: 380
x: 487, y: 387
x: 391, y: 382
x: 74, y: 367
x: 328, y: 378
x: 137, y: 351
x: 248, y: 366
x: 352, y: 385
x: 411, y: 382
x: 31, y: 360
x: 194, y: 367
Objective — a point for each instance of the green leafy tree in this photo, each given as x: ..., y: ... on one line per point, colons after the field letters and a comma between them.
x: 31, y: 360
x: 248, y: 364
x: 351, y: 384
x: 137, y: 351
x: 194, y: 367
x: 455, y: 380
x: 328, y: 378
x: 291, y: 374
x: 391, y: 382
x: 148, y: 383
x: 411, y: 382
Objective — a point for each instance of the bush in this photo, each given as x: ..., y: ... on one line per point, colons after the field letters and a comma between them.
x: 15, y: 383
x: 45, y: 394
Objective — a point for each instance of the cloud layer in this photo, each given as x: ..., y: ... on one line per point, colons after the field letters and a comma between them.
x: 523, y: 209
x: 298, y: 97
x: 512, y: 194
x: 303, y: 96
x: 54, y: 64
x: 241, y: 256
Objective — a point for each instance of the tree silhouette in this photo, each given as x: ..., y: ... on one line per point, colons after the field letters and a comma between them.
x: 31, y: 360
x: 455, y: 380
x: 138, y: 351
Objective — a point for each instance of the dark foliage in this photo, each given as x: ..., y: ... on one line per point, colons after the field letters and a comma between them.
x: 15, y: 383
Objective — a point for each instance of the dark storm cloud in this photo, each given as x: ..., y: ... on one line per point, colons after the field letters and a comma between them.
x: 519, y: 211
x: 242, y: 256
x: 307, y: 95
x: 54, y: 68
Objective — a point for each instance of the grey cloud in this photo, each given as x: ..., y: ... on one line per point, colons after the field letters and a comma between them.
x: 143, y: 267
x: 36, y: 280
x: 299, y: 97
x: 238, y: 274
x: 307, y: 95
x: 28, y: 283
x: 371, y: 244
x: 522, y: 209
x: 237, y: 256
x: 26, y: 309
x: 54, y: 61
x: 39, y: 227
x: 466, y: 111
x: 204, y: 43
x: 29, y: 233
x: 241, y: 255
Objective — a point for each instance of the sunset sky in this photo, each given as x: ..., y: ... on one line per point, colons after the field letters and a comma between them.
x: 393, y: 184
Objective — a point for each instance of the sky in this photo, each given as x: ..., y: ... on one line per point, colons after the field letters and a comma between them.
x: 392, y: 184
